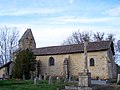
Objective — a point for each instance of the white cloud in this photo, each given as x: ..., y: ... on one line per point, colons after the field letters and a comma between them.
x: 26, y: 11
x: 70, y: 19
x: 71, y: 1
x: 55, y: 36
x: 49, y: 36
x: 114, y: 11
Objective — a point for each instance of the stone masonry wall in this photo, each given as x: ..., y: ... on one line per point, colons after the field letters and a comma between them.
x: 76, y: 64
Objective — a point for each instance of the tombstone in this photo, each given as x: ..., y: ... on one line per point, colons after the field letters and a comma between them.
x: 3, y: 77
x: 65, y: 64
x: 50, y: 80
x: 31, y: 75
x: 66, y: 79
x: 69, y: 78
x: 40, y: 77
x: 23, y: 77
x: 36, y: 81
x: 45, y: 76
x: 58, y: 79
x: 118, y: 79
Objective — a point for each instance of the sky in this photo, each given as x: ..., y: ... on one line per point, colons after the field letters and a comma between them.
x: 52, y: 21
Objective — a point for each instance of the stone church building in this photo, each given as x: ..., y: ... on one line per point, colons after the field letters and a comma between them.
x: 69, y: 59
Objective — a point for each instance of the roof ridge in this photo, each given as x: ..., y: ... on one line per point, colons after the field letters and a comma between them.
x: 27, y: 31
x: 72, y: 44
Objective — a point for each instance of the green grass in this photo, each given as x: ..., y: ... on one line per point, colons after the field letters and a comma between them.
x: 27, y: 85
x: 118, y: 88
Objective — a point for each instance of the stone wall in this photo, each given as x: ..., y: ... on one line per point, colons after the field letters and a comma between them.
x: 76, y: 64
x: 111, y: 62
x: 27, y: 41
x: 2, y: 71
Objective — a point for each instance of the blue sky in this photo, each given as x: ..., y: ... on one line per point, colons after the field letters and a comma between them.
x: 52, y: 21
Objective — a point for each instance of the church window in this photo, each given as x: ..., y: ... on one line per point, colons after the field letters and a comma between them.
x: 92, y: 62
x: 51, y: 61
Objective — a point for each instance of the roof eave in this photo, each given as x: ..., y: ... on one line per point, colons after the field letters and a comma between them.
x: 68, y: 52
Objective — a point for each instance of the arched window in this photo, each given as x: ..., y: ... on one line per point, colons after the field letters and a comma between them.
x: 51, y: 61
x: 92, y: 62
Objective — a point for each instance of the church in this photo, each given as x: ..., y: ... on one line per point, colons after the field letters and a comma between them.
x: 69, y: 59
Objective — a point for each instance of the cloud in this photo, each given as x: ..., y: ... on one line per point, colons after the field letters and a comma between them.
x: 48, y: 36
x: 71, y: 19
x: 51, y: 36
x: 71, y: 1
x: 114, y: 11
x: 26, y: 11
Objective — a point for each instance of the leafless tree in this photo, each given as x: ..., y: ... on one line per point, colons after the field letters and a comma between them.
x: 110, y: 37
x: 98, y: 36
x: 8, y: 42
x: 77, y: 38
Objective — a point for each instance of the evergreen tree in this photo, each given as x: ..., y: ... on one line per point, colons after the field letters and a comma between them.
x: 24, y: 64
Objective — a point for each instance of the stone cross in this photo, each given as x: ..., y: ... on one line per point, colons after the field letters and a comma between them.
x: 31, y: 75
x: 70, y: 78
x: 36, y: 81
x: 50, y: 80
x: 40, y: 77
x: 45, y: 75
x: 85, y: 54
x: 85, y: 77
x: 118, y: 79
x: 23, y: 77
x: 3, y: 77
x: 58, y: 79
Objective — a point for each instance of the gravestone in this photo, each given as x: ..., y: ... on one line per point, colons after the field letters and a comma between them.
x: 31, y: 75
x: 58, y: 79
x: 50, y: 80
x: 70, y: 78
x: 65, y: 79
x: 36, y: 81
x: 40, y: 77
x: 23, y: 77
x: 45, y: 76
x: 3, y: 77
x: 118, y: 79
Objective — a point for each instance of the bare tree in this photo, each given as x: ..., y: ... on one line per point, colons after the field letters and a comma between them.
x: 110, y: 37
x: 77, y: 38
x: 98, y: 36
x: 8, y: 43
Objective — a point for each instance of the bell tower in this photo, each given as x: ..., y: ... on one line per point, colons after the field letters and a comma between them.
x: 27, y: 40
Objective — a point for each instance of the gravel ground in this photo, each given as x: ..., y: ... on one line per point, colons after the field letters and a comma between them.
x: 108, y: 87
x: 105, y: 87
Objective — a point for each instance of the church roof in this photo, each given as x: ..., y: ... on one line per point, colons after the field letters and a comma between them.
x: 5, y: 65
x: 75, y: 48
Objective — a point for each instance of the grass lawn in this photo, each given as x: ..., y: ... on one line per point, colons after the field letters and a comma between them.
x: 27, y: 85
x: 118, y: 88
